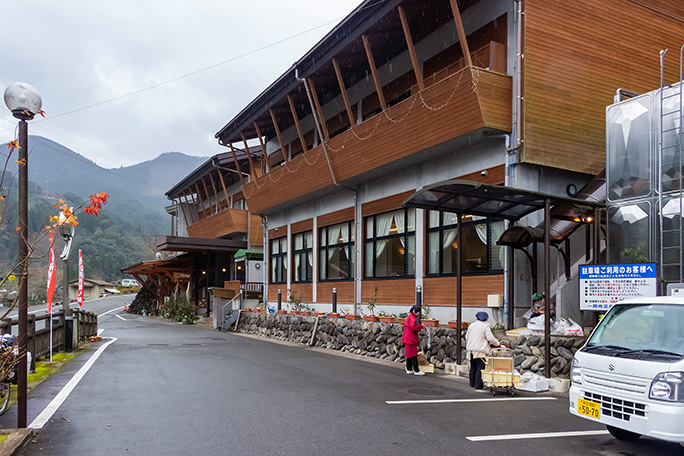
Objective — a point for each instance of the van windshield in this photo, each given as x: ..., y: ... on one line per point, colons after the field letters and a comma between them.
x: 641, y: 331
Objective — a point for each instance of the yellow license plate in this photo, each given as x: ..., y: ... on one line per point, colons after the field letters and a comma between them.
x: 589, y: 408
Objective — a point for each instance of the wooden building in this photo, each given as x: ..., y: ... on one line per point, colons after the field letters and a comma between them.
x: 403, y: 94
x: 210, y: 224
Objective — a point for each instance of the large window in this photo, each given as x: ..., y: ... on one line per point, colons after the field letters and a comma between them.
x: 279, y: 260
x: 390, y: 247
x: 336, y: 252
x: 303, y: 257
x: 480, y: 252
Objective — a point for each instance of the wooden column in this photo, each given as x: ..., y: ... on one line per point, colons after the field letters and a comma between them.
x: 411, y: 48
x: 206, y: 192
x: 340, y: 81
x: 237, y: 164
x: 201, y: 201
x: 461, y: 33
x: 223, y: 184
x: 280, y: 139
x: 263, y: 146
x: 213, y: 186
x: 374, y: 72
x: 252, y: 171
x: 180, y: 206
x: 324, y: 127
x: 296, y: 121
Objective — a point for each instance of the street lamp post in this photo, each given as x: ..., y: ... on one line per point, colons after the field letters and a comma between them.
x: 24, y: 102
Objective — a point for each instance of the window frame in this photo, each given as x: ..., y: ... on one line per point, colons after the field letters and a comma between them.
x: 487, y: 221
x: 408, y: 235
x: 279, y: 258
x: 302, y: 254
x: 324, y: 247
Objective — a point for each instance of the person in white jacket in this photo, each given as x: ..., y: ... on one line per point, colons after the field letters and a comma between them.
x: 479, y: 342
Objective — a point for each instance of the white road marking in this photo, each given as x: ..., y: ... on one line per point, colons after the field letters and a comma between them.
x: 540, y: 435
x: 449, y: 401
x: 110, y: 311
x: 52, y: 407
x: 100, y: 331
x: 119, y: 316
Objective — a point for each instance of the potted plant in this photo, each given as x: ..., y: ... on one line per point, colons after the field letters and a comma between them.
x: 282, y: 312
x: 454, y: 324
x: 430, y: 322
x: 371, y: 306
x: 402, y: 317
x: 334, y: 315
x: 294, y: 303
x: 319, y: 314
x: 247, y: 309
x: 347, y: 315
x: 385, y: 318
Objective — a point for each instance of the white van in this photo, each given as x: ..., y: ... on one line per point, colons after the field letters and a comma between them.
x: 130, y: 283
x: 630, y: 373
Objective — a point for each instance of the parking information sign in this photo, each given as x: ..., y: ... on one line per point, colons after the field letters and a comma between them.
x: 603, y: 285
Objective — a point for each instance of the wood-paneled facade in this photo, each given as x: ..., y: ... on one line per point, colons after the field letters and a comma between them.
x: 406, y: 93
x: 576, y: 55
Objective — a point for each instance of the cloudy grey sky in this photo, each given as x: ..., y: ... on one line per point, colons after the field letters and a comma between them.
x: 98, y: 66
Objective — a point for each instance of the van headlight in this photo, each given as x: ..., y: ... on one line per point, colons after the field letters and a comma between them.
x: 576, y: 372
x: 667, y: 386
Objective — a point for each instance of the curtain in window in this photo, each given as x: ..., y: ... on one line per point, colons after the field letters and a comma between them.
x: 433, y: 258
x: 274, y: 266
x: 481, y: 229
x: 296, y: 271
x: 497, y: 229
x: 383, y: 223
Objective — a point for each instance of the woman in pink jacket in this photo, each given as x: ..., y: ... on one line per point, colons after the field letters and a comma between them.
x: 412, y: 327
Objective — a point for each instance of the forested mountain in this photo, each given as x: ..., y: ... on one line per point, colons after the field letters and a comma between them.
x: 125, y: 231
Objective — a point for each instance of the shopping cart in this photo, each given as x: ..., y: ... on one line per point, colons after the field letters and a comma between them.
x: 498, y: 374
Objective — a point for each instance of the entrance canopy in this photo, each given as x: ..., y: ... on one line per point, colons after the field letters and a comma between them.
x: 476, y: 198
x: 465, y: 197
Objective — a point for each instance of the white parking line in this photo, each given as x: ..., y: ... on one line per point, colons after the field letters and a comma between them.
x: 52, y: 407
x: 448, y: 401
x: 119, y: 316
x: 540, y: 435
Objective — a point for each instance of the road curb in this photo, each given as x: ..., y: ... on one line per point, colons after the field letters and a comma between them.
x: 17, y: 439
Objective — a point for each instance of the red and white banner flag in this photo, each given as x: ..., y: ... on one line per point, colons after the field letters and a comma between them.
x: 51, y: 276
x: 80, y: 278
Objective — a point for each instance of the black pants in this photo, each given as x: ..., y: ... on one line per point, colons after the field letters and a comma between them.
x: 412, y: 363
x: 476, y: 366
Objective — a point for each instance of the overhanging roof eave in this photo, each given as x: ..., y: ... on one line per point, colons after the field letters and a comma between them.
x: 477, y: 194
x: 349, y: 29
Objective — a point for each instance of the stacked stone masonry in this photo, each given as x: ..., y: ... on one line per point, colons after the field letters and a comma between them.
x: 383, y: 340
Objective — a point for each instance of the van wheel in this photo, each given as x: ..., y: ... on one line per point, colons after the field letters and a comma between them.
x: 621, y: 434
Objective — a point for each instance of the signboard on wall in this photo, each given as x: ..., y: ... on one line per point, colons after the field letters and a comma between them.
x: 603, y: 285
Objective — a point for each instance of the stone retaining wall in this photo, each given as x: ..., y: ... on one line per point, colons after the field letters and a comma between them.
x: 383, y: 340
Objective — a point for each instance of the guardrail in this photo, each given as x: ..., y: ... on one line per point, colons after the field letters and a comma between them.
x: 38, y: 330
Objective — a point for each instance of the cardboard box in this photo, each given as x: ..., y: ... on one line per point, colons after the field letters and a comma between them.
x: 501, y: 379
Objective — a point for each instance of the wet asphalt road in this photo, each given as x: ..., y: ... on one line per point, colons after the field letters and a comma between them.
x: 168, y: 389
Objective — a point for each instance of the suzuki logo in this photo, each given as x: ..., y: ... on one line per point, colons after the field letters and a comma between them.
x: 611, y: 367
